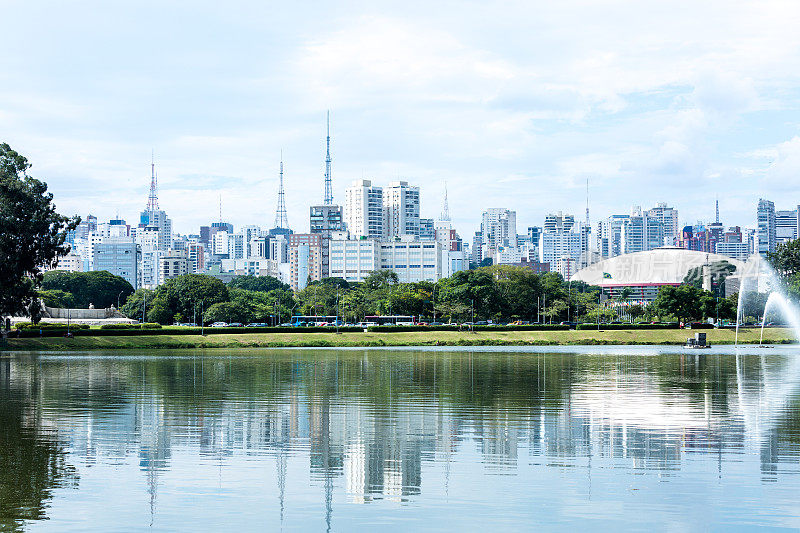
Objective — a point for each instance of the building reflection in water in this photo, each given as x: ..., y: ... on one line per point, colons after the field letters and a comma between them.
x: 370, y: 422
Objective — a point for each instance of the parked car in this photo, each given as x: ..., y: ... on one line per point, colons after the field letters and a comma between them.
x: 236, y: 325
x: 219, y: 325
x: 257, y: 325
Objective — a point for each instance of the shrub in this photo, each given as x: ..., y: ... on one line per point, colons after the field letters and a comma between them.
x: 49, y: 326
x: 146, y: 325
x: 590, y: 326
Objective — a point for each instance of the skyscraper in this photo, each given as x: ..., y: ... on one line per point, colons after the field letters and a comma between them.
x: 401, y: 210
x: 766, y: 227
x: 363, y: 210
x: 498, y: 228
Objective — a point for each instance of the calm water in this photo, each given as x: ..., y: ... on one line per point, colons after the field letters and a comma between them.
x: 364, y: 440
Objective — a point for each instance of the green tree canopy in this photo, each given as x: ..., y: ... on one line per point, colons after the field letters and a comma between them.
x: 100, y: 288
x: 32, y: 233
x: 257, y: 283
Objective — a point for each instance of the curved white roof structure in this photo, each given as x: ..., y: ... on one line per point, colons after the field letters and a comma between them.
x: 662, y: 266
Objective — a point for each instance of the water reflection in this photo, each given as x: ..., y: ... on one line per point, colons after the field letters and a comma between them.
x: 310, y: 434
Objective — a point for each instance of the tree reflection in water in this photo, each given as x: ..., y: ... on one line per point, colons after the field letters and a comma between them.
x: 32, y: 460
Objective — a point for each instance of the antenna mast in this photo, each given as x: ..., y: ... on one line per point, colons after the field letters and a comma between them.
x: 587, y: 200
x: 281, y: 219
x: 445, y: 207
x: 152, y: 200
x: 328, y: 187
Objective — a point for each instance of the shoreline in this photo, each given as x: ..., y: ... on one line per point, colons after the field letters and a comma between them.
x: 677, y: 337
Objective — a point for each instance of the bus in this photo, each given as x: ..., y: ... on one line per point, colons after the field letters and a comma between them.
x: 309, y: 320
x: 390, y: 320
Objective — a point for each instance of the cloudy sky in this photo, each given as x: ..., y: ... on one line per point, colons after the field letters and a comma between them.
x: 511, y: 104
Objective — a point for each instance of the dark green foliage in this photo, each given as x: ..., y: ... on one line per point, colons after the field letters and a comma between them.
x: 587, y: 326
x: 57, y: 298
x: 181, y: 296
x: 146, y: 325
x: 32, y: 233
x: 449, y: 327
x: 50, y: 325
x: 257, y: 283
x: 99, y: 288
x: 786, y: 262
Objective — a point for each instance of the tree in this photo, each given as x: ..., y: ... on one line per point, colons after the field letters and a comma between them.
x: 135, y: 304
x: 257, y: 283
x: 99, y: 288
x: 185, y: 295
x: 226, y: 312
x: 57, y: 298
x: 32, y: 233
x: 685, y: 302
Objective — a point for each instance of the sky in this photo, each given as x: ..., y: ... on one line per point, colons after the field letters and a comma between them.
x: 506, y: 104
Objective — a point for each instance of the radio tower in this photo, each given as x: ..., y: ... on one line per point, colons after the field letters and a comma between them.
x: 328, y: 187
x: 445, y: 216
x: 717, y: 210
x: 281, y: 220
x: 152, y: 200
x: 587, y: 201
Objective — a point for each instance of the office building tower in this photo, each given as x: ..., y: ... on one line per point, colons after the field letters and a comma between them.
x: 785, y: 226
x: 668, y: 216
x: 363, y: 210
x: 401, y: 210
x: 767, y: 237
x: 173, y: 263
x: 427, y: 229
x: 325, y: 220
x: 353, y: 260
x: 412, y: 260
x: 119, y: 256
x: 305, y: 259
x: 641, y: 233
x: 498, y: 228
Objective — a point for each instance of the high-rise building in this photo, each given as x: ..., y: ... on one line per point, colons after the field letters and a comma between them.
x: 767, y: 237
x: 119, y: 256
x: 559, y: 239
x: 305, y: 259
x: 609, y: 236
x: 668, y: 216
x: 148, y: 239
x: 325, y: 220
x: 401, y: 210
x: 498, y: 228
x: 172, y: 264
x: 785, y: 226
x: 454, y: 257
x: 641, y: 233
x: 427, y: 229
x: 363, y: 210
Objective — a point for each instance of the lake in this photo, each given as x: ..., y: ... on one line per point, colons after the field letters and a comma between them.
x: 511, y: 439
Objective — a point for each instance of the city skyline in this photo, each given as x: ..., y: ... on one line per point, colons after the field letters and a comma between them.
x: 518, y: 104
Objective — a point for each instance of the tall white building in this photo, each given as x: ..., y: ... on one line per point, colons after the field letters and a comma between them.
x: 668, y: 216
x: 767, y: 237
x: 498, y: 228
x: 401, y: 210
x: 149, y: 273
x: 363, y: 210
x: 641, y: 233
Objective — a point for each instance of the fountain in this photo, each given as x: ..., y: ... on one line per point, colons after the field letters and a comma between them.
x: 758, y: 277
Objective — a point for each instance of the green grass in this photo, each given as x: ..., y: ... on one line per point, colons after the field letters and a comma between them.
x: 412, y: 338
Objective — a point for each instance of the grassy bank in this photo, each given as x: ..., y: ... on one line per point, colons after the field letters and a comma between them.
x: 411, y: 338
